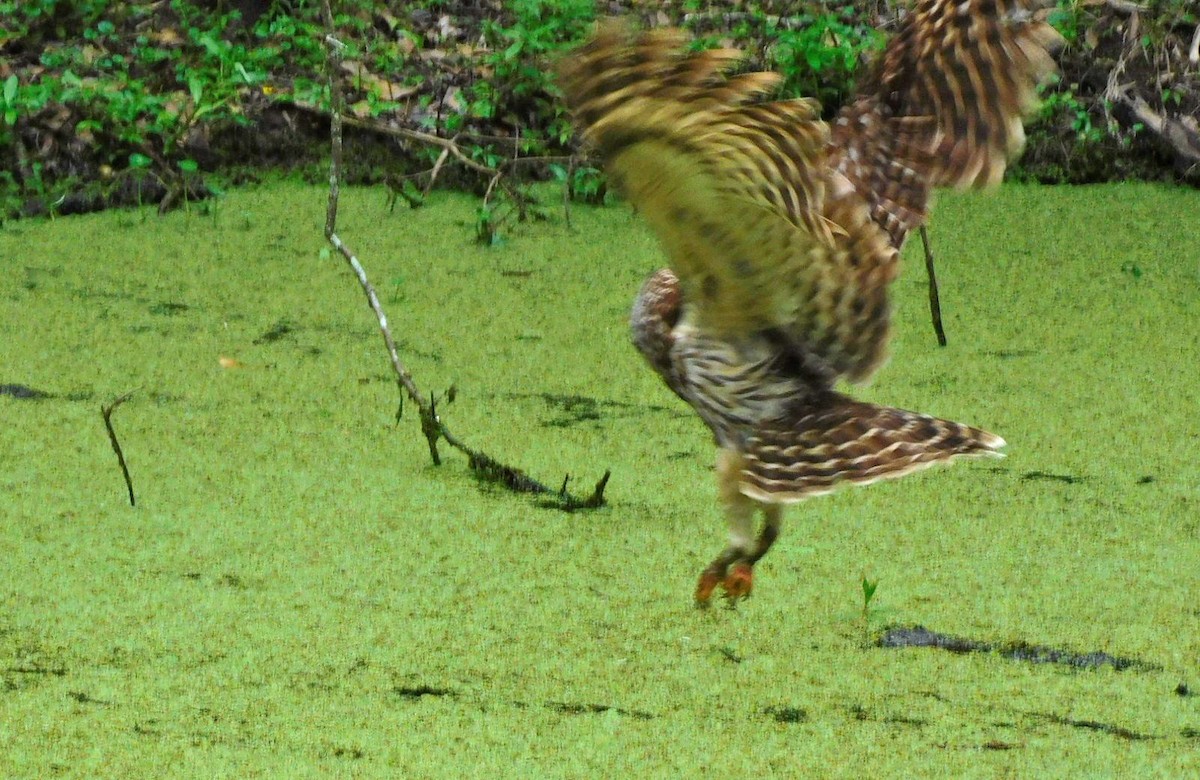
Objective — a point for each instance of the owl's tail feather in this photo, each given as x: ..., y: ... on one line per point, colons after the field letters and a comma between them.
x: 836, y: 441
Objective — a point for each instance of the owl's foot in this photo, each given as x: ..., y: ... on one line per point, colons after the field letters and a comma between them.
x: 709, y: 580
x: 737, y: 581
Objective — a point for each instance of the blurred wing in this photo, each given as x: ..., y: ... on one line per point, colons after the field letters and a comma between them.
x: 833, y: 441
x: 944, y: 105
x: 734, y: 188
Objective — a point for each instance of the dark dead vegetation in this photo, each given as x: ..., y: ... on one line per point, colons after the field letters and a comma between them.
x: 164, y: 103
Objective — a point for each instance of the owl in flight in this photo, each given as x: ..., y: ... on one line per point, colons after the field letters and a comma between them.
x: 783, y: 233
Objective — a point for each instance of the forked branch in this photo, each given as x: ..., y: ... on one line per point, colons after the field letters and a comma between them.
x: 483, y: 465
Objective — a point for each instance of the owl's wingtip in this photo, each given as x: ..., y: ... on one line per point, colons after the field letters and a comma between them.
x: 992, y: 444
x: 840, y: 441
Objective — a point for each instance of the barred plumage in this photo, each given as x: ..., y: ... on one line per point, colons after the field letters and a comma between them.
x: 783, y: 235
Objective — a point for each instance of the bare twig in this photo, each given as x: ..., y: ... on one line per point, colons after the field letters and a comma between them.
x: 432, y: 426
x: 1125, y: 6
x: 726, y: 21
x: 567, y: 191
x: 437, y: 168
x: 498, y: 176
x: 107, y: 412
x: 935, y: 306
x: 1183, y: 140
x: 428, y: 419
x: 487, y: 195
x: 449, y: 146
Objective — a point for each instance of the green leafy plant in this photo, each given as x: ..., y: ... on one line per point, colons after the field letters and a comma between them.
x: 9, y: 107
x: 35, y: 21
x: 1068, y: 17
x: 487, y: 227
x: 585, y: 184
x: 868, y: 594
x: 140, y: 168
x: 1063, y: 107
x: 521, y: 88
x: 820, y: 57
x: 502, y: 207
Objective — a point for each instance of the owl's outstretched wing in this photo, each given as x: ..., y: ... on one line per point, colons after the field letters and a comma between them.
x: 944, y: 105
x: 771, y: 220
x: 734, y: 187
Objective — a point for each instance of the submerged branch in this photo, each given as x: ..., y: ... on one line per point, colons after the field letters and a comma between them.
x: 107, y: 412
x: 481, y: 464
x: 429, y: 423
x: 935, y: 305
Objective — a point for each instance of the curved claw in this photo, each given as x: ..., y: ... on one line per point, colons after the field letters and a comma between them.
x: 736, y: 581
x: 739, y: 582
x: 709, y: 580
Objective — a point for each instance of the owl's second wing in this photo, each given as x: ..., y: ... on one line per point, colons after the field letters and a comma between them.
x: 944, y: 105
x: 736, y: 190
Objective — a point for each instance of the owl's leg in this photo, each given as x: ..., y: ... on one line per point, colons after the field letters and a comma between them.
x: 739, y: 581
x: 732, y: 570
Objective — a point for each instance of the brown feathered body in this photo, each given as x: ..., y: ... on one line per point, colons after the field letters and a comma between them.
x: 783, y: 234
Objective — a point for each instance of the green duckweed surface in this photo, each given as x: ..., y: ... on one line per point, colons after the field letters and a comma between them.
x: 300, y: 593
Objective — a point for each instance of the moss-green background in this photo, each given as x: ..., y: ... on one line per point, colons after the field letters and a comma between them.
x: 299, y: 593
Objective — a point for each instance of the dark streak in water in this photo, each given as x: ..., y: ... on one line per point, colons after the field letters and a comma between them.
x: 23, y: 393
x: 1067, y: 478
x: 786, y: 714
x: 919, y: 636
x: 277, y: 332
x: 1094, y: 725
x: 568, y: 708
x: 420, y: 691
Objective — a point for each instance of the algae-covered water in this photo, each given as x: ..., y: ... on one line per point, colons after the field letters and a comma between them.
x: 300, y: 593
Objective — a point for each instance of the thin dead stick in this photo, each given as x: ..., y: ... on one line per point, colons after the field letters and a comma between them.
x: 432, y: 427
x: 1125, y: 6
x: 429, y: 424
x: 450, y: 148
x: 567, y: 192
x: 447, y: 145
x: 437, y: 168
x: 1183, y: 141
x: 935, y: 306
x: 116, y: 445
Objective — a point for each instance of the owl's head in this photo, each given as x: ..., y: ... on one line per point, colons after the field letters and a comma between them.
x: 655, y: 315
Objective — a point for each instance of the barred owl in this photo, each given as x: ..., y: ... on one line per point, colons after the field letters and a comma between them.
x: 783, y: 234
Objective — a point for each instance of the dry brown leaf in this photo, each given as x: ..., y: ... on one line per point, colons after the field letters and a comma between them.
x: 167, y: 36
x: 384, y: 88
